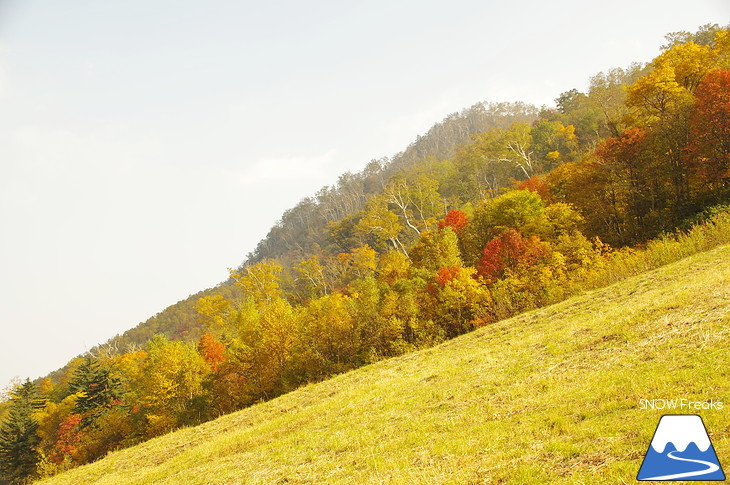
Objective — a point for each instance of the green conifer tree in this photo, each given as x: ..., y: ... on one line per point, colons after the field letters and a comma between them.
x: 96, y: 390
x: 18, y: 438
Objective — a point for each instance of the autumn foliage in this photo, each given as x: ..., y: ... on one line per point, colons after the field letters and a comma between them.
x: 510, y: 252
x: 445, y: 275
x: 455, y: 219
x: 625, y: 149
x: 211, y: 350
x: 69, y: 436
x: 535, y: 184
x: 709, y: 142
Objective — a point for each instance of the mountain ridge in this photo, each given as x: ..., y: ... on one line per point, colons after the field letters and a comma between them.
x: 179, y: 320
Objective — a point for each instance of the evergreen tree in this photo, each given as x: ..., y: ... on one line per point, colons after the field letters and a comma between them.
x: 96, y: 390
x: 18, y: 438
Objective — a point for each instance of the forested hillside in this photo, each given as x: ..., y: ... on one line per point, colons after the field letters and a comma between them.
x: 497, y: 210
x: 303, y: 230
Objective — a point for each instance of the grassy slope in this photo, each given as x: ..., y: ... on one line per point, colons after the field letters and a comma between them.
x: 551, y: 396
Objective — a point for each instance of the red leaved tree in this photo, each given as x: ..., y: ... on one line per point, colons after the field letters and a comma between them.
x: 69, y: 437
x: 708, y: 149
x: 535, y: 184
x: 447, y: 274
x: 455, y: 219
x: 510, y: 252
x: 211, y: 350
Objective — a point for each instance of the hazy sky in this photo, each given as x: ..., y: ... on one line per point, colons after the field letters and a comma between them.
x: 147, y: 146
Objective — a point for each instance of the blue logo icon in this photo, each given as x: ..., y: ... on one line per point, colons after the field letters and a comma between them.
x: 681, y: 450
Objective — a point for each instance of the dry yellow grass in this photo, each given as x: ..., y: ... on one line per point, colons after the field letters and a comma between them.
x: 550, y: 396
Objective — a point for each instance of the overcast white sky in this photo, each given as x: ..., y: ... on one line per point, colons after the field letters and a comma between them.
x: 146, y: 146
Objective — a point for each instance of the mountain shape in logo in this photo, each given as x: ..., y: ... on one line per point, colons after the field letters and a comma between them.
x: 681, y: 450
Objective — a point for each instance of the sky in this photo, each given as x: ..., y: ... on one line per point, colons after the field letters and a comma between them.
x: 147, y: 146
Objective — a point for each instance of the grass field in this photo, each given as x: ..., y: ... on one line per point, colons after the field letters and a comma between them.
x: 550, y: 396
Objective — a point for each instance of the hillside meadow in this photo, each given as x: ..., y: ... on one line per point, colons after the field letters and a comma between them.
x: 549, y: 396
